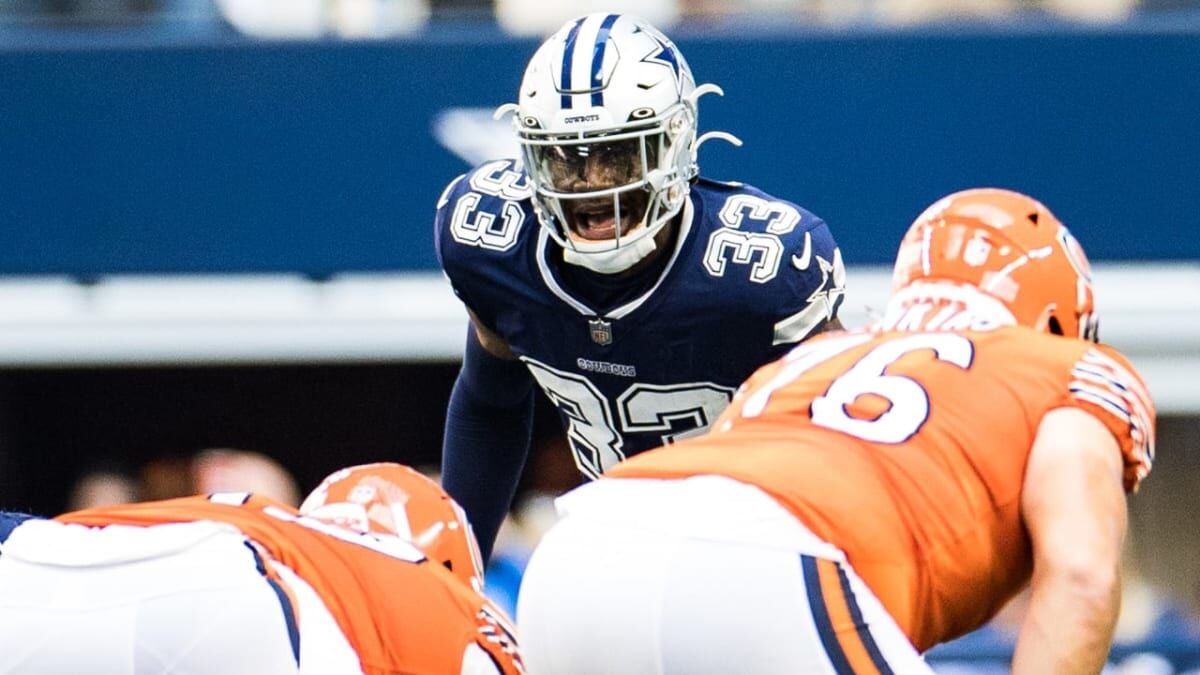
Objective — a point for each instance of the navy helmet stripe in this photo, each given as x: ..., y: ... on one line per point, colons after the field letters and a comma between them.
x: 598, y: 59
x: 568, y: 55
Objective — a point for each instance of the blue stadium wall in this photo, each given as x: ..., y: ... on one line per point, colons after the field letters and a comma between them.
x: 141, y: 152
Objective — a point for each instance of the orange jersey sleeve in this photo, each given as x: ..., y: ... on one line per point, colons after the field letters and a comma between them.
x: 1104, y: 384
x: 908, y: 451
x: 401, y: 613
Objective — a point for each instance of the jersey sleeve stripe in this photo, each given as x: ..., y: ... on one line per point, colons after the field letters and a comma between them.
x: 1129, y: 387
x: 1099, y: 397
x: 1094, y: 374
x: 1120, y: 375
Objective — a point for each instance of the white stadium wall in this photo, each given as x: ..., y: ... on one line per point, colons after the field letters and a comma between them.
x: 1150, y: 312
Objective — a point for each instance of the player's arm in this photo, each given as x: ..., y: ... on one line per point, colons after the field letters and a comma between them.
x: 493, y: 649
x: 1073, y: 505
x: 487, y: 436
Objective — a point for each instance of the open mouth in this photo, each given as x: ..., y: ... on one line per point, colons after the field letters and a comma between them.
x: 598, y: 221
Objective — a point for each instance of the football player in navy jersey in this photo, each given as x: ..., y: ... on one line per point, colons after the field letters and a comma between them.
x: 636, y: 294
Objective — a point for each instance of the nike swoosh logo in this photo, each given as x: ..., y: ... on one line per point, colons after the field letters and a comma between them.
x: 802, y: 261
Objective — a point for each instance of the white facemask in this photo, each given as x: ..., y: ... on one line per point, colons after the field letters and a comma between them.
x: 602, y: 257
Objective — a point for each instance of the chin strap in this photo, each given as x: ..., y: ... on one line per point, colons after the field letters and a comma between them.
x: 601, y: 257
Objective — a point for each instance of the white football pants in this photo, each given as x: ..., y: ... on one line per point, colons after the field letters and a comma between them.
x: 701, y: 575
x: 188, y: 598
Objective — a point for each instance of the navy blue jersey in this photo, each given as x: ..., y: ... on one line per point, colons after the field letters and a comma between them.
x: 11, y: 520
x: 748, y: 277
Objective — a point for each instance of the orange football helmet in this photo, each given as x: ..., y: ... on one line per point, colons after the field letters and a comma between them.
x: 392, y: 499
x: 1008, y: 246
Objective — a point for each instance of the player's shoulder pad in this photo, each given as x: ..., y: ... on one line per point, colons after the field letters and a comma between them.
x: 483, y: 210
x: 1106, y: 384
x: 494, y: 180
x: 744, y: 207
x: 789, y: 254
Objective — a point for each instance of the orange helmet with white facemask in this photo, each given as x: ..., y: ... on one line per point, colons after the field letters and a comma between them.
x: 392, y: 499
x: 1011, y: 248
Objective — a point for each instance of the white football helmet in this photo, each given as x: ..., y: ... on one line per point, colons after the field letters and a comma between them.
x: 607, y: 124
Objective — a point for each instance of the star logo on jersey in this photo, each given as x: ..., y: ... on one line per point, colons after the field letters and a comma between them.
x: 832, y: 283
x: 601, y: 331
x: 665, y: 55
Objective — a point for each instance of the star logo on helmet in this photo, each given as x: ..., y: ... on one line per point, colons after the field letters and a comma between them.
x: 666, y: 55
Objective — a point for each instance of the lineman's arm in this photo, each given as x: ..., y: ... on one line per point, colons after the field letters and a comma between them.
x: 1073, y: 505
x: 488, y: 425
x: 493, y: 650
x: 478, y: 661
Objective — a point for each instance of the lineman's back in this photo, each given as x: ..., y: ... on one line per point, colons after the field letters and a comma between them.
x: 401, y: 612
x: 907, y: 450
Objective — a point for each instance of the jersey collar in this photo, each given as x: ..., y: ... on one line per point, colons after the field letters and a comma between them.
x: 550, y: 277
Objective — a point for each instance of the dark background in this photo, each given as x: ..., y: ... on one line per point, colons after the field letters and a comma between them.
x: 59, y: 424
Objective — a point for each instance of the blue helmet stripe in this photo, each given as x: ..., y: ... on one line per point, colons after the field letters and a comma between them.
x: 598, y: 59
x: 568, y: 53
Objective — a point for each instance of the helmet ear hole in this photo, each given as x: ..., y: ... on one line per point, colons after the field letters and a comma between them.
x: 1054, y: 326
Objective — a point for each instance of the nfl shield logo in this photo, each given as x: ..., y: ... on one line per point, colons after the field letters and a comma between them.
x: 601, y: 331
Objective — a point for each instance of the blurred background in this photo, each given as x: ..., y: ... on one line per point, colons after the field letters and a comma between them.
x: 216, y: 263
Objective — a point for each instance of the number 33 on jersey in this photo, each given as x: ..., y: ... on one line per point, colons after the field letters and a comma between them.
x: 749, y: 276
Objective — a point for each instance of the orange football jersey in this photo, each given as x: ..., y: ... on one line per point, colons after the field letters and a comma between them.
x: 401, y: 613
x: 907, y: 450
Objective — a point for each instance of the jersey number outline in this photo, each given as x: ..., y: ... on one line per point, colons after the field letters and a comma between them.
x: 472, y: 227
x: 908, y: 401
x: 595, y: 430
x: 763, y: 251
